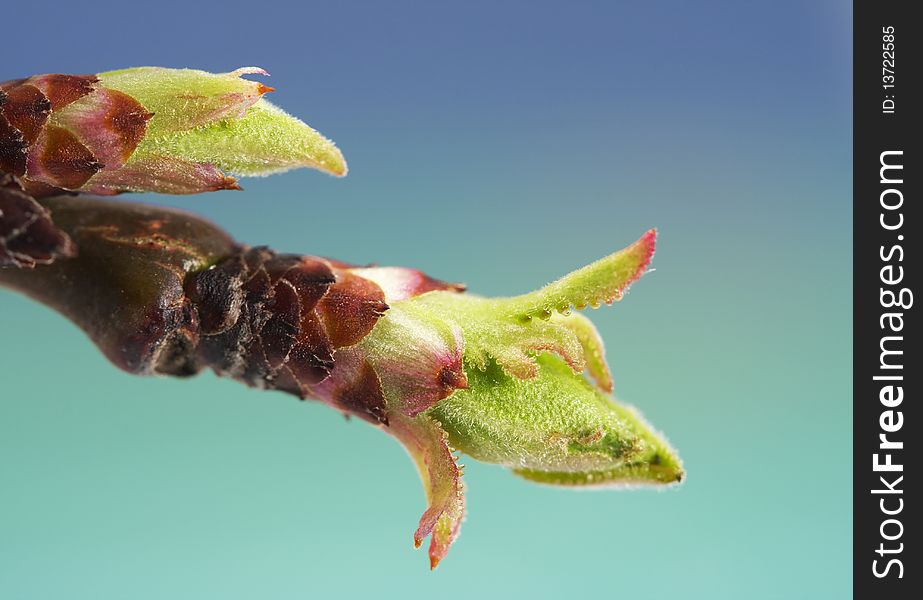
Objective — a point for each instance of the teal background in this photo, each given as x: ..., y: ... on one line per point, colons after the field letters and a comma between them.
x: 500, y: 144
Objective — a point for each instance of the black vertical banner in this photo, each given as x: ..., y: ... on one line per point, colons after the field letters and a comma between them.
x: 887, y: 374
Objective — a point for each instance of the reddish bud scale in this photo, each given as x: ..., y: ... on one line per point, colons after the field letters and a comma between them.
x: 163, y: 291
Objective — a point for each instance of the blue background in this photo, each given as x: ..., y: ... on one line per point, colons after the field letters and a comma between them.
x: 501, y: 144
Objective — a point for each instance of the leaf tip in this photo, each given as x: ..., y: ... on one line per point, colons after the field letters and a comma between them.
x: 229, y: 183
x: 646, y: 246
x: 337, y: 167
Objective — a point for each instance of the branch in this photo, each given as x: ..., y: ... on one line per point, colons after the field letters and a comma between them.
x: 161, y: 291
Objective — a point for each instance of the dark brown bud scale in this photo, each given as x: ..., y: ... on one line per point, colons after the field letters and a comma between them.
x: 27, y: 234
x: 61, y: 159
x: 62, y: 90
x: 26, y: 108
x: 12, y: 147
x: 361, y: 392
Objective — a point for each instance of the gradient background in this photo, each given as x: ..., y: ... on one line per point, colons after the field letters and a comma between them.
x: 501, y: 144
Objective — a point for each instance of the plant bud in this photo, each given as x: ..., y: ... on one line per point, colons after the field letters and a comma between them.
x: 150, y: 129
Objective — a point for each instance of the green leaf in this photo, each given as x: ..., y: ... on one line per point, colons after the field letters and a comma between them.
x: 655, y: 464
x: 265, y: 140
x: 183, y: 99
x: 555, y: 426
